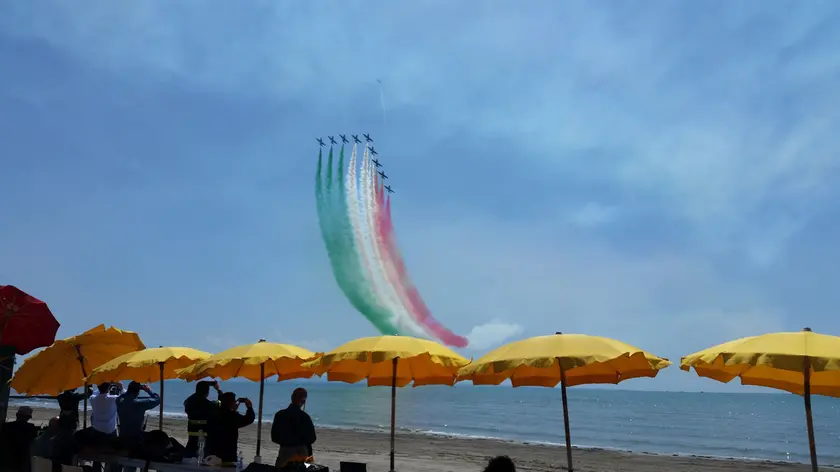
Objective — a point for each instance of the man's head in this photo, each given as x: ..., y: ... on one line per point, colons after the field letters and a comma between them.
x: 299, y: 397
x: 134, y: 388
x: 71, y: 391
x: 24, y: 414
x: 228, y: 400
x: 202, y: 389
x: 52, y: 427
x: 500, y: 464
x: 104, y: 387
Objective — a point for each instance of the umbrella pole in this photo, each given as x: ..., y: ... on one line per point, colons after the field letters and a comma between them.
x: 393, y: 410
x: 808, y: 418
x: 160, y: 420
x: 565, y: 414
x: 84, y: 373
x: 259, y: 418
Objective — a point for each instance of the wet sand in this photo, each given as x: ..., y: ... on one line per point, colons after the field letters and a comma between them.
x: 422, y: 453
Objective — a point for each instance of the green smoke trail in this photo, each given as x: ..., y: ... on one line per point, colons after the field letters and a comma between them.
x: 337, y: 234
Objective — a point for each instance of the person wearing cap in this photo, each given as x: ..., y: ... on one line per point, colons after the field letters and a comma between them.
x: 16, y: 440
x: 293, y: 430
x: 131, y: 409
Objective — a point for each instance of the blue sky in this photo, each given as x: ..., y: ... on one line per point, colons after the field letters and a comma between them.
x: 662, y: 173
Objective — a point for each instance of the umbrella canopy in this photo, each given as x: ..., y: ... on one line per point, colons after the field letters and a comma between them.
x: 65, y: 364
x: 25, y: 322
x: 255, y: 362
x: 393, y: 361
x: 543, y: 361
x: 420, y: 361
x: 149, y: 365
x: 567, y: 359
x: 801, y: 362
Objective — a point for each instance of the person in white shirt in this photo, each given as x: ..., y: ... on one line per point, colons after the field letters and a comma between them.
x: 103, y: 407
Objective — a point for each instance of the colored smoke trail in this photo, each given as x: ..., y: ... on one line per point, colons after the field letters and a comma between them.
x: 357, y: 229
x: 335, y: 231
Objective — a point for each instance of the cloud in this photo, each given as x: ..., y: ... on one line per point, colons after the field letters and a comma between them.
x: 593, y: 214
x: 492, y: 334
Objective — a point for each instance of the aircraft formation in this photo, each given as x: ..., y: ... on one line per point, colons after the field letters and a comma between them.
x: 371, y: 149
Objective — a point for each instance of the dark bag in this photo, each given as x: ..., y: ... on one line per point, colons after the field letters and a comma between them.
x: 157, y: 446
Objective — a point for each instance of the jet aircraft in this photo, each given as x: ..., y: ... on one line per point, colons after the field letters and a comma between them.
x: 321, y: 142
x: 344, y: 138
x: 356, y: 138
x: 383, y: 175
x: 373, y: 151
x: 332, y: 140
x: 376, y: 163
x: 367, y: 137
x: 388, y: 188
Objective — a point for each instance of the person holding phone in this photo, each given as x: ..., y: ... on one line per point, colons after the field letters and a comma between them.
x: 200, y: 410
x: 223, y: 439
x: 131, y: 409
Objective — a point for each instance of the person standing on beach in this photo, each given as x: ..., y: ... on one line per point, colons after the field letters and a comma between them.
x: 293, y: 430
x: 103, y: 408
x: 224, y: 427
x: 131, y: 409
x: 68, y: 401
x: 16, y: 440
x: 199, y: 410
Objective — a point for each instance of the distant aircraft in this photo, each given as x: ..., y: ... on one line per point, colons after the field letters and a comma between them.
x: 356, y: 138
x: 376, y: 163
x: 388, y: 188
x: 367, y: 136
x: 344, y: 138
x: 321, y: 142
x: 373, y: 151
x: 383, y: 175
x: 332, y: 139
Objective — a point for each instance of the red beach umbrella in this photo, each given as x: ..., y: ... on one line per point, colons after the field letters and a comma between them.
x: 26, y: 323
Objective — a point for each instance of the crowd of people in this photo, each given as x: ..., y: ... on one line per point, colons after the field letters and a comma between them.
x: 118, y: 422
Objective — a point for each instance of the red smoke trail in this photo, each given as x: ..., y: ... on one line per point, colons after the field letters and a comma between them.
x: 418, y: 309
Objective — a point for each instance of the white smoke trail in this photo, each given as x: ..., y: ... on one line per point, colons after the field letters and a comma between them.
x: 381, y: 263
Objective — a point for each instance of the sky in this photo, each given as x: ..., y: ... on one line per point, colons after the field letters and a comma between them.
x: 661, y: 172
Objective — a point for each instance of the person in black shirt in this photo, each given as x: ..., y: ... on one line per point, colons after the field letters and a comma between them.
x: 200, y: 410
x: 293, y: 430
x: 224, y: 427
x: 68, y: 401
x: 16, y: 440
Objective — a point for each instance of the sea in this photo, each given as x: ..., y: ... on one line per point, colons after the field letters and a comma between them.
x: 760, y: 426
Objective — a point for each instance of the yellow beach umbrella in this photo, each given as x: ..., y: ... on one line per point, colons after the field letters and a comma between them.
x: 255, y: 362
x: 65, y: 364
x: 803, y: 363
x: 394, y: 361
x: 148, y: 365
x: 567, y: 359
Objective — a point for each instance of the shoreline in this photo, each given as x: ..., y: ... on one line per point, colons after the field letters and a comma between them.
x: 440, y: 452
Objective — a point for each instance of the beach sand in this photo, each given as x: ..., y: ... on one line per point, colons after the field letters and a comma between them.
x: 422, y: 453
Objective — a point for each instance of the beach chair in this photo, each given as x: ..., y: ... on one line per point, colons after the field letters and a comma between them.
x: 40, y: 464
